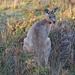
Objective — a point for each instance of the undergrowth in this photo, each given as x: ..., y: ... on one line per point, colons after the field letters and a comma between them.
x: 15, y: 21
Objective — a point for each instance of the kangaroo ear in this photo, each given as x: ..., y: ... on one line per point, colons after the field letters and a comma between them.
x: 54, y: 10
x: 47, y: 11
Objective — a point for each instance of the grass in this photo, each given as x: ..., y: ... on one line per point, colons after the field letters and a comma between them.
x: 15, y: 20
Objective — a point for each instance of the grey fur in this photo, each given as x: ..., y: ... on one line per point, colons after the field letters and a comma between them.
x: 37, y: 39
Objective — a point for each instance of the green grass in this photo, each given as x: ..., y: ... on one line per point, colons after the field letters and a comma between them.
x: 16, y: 60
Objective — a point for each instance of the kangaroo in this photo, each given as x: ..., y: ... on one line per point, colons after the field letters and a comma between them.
x: 37, y: 39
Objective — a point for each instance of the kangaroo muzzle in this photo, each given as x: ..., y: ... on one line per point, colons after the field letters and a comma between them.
x: 54, y: 22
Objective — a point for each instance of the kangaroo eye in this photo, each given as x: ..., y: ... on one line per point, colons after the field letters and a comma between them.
x: 49, y: 16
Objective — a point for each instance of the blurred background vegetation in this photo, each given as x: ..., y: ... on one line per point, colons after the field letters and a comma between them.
x: 16, y: 17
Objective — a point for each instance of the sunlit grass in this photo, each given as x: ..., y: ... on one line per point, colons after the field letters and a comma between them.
x: 16, y: 17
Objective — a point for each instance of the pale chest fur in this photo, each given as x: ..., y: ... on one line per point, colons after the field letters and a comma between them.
x: 48, y: 28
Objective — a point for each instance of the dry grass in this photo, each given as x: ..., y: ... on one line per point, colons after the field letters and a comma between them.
x: 15, y: 61
x: 13, y: 30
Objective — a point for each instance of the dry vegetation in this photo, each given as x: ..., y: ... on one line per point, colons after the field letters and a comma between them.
x: 16, y: 17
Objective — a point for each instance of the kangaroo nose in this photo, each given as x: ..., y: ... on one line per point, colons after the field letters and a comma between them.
x: 54, y: 22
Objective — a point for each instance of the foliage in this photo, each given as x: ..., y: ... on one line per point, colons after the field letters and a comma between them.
x: 16, y: 17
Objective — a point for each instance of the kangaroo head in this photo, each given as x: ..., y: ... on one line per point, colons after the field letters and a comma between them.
x: 51, y: 15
